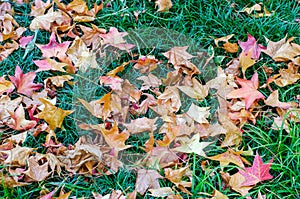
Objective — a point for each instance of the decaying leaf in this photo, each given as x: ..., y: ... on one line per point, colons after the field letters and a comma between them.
x: 163, y: 5
x: 147, y: 179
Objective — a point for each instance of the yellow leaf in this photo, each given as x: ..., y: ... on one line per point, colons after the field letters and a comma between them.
x: 52, y: 115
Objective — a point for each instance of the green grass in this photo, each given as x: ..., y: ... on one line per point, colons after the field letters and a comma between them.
x: 201, y: 20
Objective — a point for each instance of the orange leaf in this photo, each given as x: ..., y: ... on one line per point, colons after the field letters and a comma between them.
x: 52, y: 115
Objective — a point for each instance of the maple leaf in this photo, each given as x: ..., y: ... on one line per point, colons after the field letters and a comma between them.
x: 235, y: 183
x: 54, y: 49
x: 18, y: 156
x: 196, y: 91
x: 7, y: 49
x: 179, y: 57
x: 18, y: 121
x: 257, y: 173
x: 39, y: 7
x: 141, y: 125
x: 230, y: 156
x: 24, y: 82
x: 115, y: 38
x: 114, y: 138
x: 6, y: 86
x: 163, y: 5
x: 251, y: 44
x: 248, y: 91
x: 58, y: 81
x: 192, y: 145
x: 175, y: 176
x: 273, y: 101
x: 218, y: 195
x: 199, y: 114
x: 147, y: 179
x: 113, y: 82
x: 36, y: 172
x: 283, y: 50
x: 52, y: 115
x: 49, y: 64
x: 161, y: 192
x: 246, y: 61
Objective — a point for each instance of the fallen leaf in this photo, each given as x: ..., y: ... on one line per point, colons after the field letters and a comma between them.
x: 196, y: 91
x: 54, y: 49
x: 49, y: 64
x: 179, y: 57
x: 257, y: 173
x: 192, y: 145
x: 248, y: 91
x: 223, y: 39
x: 18, y: 156
x: 175, y: 176
x: 163, y: 5
x: 140, y: 125
x: 199, y: 114
x: 24, y: 82
x: 6, y: 86
x: 273, y: 101
x: 114, y: 138
x: 58, y: 81
x: 161, y: 192
x: 283, y: 50
x: 235, y: 183
x: 52, y: 115
x: 231, y: 47
x: 230, y: 156
x: 246, y: 61
x: 251, y: 45
x: 147, y: 179
x: 18, y: 121
x: 35, y: 171
x: 218, y: 195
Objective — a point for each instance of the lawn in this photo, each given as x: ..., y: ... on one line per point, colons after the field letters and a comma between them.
x: 91, y: 112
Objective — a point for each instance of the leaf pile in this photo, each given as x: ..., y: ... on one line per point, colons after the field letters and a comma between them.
x: 173, y: 134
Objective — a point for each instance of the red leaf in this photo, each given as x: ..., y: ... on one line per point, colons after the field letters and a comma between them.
x: 257, y: 173
x: 24, y: 82
x: 251, y: 43
x: 248, y: 91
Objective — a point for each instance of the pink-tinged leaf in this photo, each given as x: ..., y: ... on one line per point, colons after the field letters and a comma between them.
x: 18, y: 121
x: 113, y: 82
x: 24, y: 82
x: 251, y: 43
x: 248, y: 91
x: 25, y: 40
x: 49, y: 64
x: 257, y: 173
x: 49, y: 195
x: 54, y: 49
x: 115, y: 38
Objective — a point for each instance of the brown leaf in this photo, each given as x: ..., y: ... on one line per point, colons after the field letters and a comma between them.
x: 196, y: 91
x: 35, y: 171
x: 218, y: 195
x: 6, y: 86
x: 147, y: 179
x: 18, y: 155
x: 283, y: 50
x: 199, y: 114
x: 140, y: 125
x: 231, y: 47
x: 161, y: 192
x: 170, y: 99
x: 58, y: 81
x: 179, y: 57
x: 175, y: 176
x: 236, y: 182
x: 223, y: 39
x: 274, y: 101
